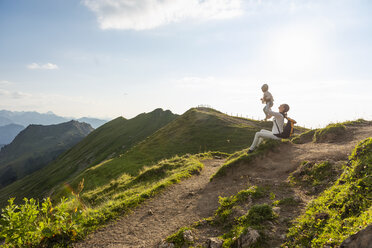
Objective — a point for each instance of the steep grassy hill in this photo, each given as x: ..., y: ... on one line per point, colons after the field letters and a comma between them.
x: 109, y: 140
x: 36, y: 146
x: 197, y: 130
x: 9, y: 132
x: 341, y: 210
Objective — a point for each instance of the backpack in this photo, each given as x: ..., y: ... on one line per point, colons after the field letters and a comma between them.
x: 287, y: 130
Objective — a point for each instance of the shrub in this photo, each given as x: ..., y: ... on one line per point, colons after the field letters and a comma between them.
x: 31, y: 224
x: 227, y: 203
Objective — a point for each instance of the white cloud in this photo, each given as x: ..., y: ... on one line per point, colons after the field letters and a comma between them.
x: 148, y: 14
x: 5, y: 83
x: 13, y: 94
x: 47, y: 66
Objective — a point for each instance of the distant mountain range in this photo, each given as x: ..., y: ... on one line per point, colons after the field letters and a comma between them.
x: 27, y: 118
x: 36, y: 146
x: 11, y: 123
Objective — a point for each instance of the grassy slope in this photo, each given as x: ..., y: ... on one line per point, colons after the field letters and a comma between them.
x: 328, y: 134
x: 196, y: 131
x: 82, y: 214
x: 36, y: 146
x: 113, y: 138
x: 341, y: 210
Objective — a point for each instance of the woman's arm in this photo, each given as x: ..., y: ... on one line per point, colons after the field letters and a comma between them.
x: 275, y: 114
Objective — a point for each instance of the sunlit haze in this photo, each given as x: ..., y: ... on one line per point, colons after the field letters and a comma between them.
x: 105, y: 59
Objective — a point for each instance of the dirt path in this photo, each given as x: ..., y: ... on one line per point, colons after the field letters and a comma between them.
x: 197, y: 197
x: 176, y: 207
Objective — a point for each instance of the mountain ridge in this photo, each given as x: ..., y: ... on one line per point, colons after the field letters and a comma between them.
x: 9, y: 132
x: 113, y: 137
x: 37, y: 145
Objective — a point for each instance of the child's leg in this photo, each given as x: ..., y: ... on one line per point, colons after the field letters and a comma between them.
x: 266, y: 109
x: 265, y: 112
x: 268, y: 106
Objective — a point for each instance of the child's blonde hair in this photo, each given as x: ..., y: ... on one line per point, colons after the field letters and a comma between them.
x: 265, y: 87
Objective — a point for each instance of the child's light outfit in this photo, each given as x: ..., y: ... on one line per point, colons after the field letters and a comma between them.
x: 266, y: 134
x: 269, y: 103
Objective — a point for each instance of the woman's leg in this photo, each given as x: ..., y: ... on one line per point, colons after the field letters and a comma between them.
x: 259, y: 136
x: 265, y: 131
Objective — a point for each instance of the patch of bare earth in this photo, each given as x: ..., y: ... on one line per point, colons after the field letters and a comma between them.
x: 197, y: 198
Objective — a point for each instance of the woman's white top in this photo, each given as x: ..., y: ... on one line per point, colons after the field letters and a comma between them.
x: 279, y: 119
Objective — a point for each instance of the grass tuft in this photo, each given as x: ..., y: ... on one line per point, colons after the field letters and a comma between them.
x: 315, y: 177
x: 178, y: 238
x: 227, y: 204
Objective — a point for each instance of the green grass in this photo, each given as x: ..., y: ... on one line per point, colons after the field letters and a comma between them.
x: 315, y: 177
x: 289, y: 201
x: 177, y: 238
x: 196, y: 131
x: 356, y: 122
x: 255, y: 219
x: 111, y: 201
x: 329, y: 133
x: 233, y: 226
x: 243, y: 157
x: 103, y: 204
x: 107, y: 141
x: 346, y: 207
x: 304, y: 137
x: 36, y: 146
x: 227, y: 204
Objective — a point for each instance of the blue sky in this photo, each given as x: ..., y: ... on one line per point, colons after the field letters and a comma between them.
x: 105, y: 58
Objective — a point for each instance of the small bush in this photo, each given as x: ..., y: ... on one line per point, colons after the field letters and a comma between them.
x: 257, y: 215
x: 255, y: 218
x: 31, y: 224
x: 227, y: 203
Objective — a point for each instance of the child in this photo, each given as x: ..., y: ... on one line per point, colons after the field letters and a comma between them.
x: 267, y: 99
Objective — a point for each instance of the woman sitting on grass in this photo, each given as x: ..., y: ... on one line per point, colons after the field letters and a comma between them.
x: 278, y: 124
